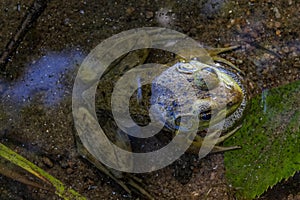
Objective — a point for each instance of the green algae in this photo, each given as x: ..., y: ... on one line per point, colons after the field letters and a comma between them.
x: 270, y: 140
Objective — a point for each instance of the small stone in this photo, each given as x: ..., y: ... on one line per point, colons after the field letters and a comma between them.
x: 71, y: 163
x: 67, y: 21
x: 286, y: 49
x: 64, y: 164
x: 149, y: 14
x: 130, y: 10
x: 193, y: 31
x: 277, y: 24
x: 213, y: 176
x: 239, y: 61
x: 278, y: 32
x: 277, y: 13
x: 270, y: 24
x: 165, y: 191
x: 47, y: 162
x: 70, y: 170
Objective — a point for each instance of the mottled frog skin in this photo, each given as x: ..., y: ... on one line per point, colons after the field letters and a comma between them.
x: 195, y: 88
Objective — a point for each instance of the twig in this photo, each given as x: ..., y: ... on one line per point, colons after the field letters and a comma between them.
x: 60, y: 189
x: 13, y: 174
x: 36, y: 9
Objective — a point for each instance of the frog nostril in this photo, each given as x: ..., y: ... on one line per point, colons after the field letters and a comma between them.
x: 229, y: 104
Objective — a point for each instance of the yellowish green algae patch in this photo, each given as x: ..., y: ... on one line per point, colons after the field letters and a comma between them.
x: 270, y: 140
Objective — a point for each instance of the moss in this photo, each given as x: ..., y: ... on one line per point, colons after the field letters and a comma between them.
x: 270, y: 141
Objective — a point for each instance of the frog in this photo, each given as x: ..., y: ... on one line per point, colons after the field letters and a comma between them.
x: 211, y: 83
x: 210, y: 88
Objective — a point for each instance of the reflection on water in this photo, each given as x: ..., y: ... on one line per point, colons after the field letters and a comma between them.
x: 165, y: 17
x: 139, y: 90
x: 264, y: 95
x: 212, y: 7
x: 44, y: 79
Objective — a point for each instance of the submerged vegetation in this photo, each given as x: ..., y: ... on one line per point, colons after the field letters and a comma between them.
x: 270, y: 140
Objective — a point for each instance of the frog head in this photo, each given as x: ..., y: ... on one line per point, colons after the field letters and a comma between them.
x: 221, y: 92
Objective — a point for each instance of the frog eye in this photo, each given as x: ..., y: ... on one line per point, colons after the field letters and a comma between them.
x: 206, y: 79
x: 203, y: 109
x: 205, y: 116
x: 186, y: 68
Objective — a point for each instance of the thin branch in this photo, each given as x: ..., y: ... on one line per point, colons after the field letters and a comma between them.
x: 36, y: 9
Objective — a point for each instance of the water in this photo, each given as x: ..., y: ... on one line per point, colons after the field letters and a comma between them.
x: 44, y: 79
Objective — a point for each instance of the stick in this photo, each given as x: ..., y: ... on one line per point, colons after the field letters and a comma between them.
x: 36, y: 9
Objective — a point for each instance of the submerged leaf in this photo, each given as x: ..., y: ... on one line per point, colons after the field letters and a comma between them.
x: 61, y: 189
x: 11, y: 171
x: 270, y: 140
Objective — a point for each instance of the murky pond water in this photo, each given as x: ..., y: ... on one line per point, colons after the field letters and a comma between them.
x: 36, y: 85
